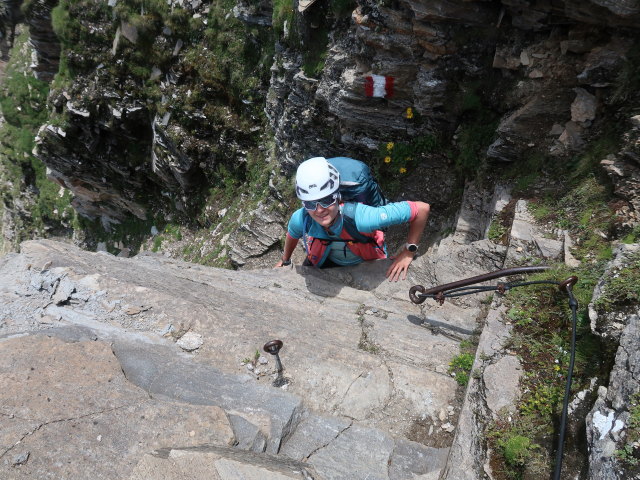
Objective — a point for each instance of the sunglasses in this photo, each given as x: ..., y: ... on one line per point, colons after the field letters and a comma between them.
x: 325, y: 202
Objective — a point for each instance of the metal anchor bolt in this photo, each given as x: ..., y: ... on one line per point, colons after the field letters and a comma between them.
x: 273, y: 347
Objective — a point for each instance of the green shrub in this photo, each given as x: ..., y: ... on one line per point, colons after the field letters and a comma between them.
x: 622, y: 288
x: 517, y: 450
x: 629, y: 453
x: 633, y: 236
x: 283, y: 12
x: 461, y: 367
x: 497, y: 231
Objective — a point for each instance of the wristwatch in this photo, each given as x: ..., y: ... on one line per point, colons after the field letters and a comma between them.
x: 286, y: 263
x: 412, y: 247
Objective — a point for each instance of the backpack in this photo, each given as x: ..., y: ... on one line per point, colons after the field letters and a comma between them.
x: 357, y: 185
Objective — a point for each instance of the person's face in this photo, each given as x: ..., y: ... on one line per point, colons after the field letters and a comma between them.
x: 325, y: 216
x: 325, y: 210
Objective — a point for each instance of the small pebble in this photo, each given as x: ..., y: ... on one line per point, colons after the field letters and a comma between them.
x: 190, y: 341
x: 20, y: 459
x: 447, y: 427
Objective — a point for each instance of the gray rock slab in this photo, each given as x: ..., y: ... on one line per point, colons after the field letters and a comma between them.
x: 357, y: 453
x: 315, y: 316
x: 468, y: 452
x: 216, y: 463
x: 476, y: 211
x: 248, y: 435
x: 158, y: 370
x: 502, y: 381
x: 70, y: 406
x: 313, y: 433
x: 63, y: 291
x: 550, y: 248
x: 422, y: 393
x: 495, y: 333
x: 412, y: 460
x: 528, y: 241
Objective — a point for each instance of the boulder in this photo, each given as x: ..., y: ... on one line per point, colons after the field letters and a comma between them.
x: 583, y: 108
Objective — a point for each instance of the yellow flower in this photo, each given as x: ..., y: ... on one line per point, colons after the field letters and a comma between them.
x: 409, y: 113
x: 389, y: 147
x: 403, y: 170
x: 387, y: 159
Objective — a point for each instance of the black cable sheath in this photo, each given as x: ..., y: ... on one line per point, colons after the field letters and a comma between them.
x: 567, y: 391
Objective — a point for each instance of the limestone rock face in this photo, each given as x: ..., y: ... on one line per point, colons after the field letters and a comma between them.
x: 126, y: 146
x: 425, y: 49
x: 365, y: 370
x: 409, y: 51
x: 73, y: 412
x: 103, y: 190
x: 609, y: 421
x: 123, y: 142
x: 623, y: 168
x: 361, y: 372
x: 44, y: 40
x: 535, y: 15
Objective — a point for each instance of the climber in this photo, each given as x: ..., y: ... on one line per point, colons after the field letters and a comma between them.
x: 339, y: 234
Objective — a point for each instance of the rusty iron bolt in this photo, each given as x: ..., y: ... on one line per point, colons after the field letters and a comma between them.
x: 273, y: 347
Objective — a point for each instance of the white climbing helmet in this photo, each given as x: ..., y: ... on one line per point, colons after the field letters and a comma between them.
x: 316, y: 178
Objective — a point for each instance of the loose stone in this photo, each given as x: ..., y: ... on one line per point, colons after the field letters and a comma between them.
x: 20, y: 459
x: 190, y: 341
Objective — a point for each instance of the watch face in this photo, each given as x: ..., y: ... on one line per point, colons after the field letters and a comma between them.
x: 412, y: 247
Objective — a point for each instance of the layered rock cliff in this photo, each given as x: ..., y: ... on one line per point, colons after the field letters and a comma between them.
x: 153, y: 107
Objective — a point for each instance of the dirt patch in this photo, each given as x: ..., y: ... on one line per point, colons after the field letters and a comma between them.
x: 430, y: 433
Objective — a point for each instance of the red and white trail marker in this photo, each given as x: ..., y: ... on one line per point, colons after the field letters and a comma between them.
x: 378, y: 86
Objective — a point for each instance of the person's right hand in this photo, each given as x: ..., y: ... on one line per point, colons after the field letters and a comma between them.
x: 280, y: 264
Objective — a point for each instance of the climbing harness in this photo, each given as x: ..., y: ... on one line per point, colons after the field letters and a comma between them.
x: 418, y: 294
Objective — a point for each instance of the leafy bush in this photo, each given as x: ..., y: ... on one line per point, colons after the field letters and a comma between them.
x: 461, y: 367
x: 22, y: 102
x: 283, y: 13
x: 517, y: 450
x: 630, y: 452
x: 622, y: 288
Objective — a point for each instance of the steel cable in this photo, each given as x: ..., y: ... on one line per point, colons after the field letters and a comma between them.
x: 458, y: 289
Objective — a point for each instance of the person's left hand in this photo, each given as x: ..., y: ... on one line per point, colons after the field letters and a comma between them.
x: 400, y: 265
